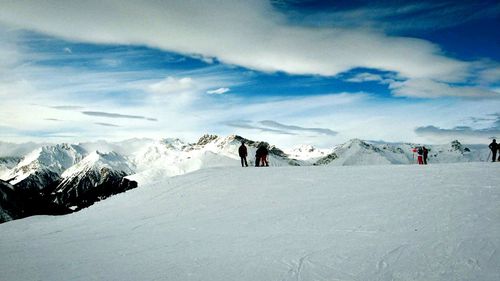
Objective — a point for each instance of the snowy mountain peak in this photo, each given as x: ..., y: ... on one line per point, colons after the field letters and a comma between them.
x: 97, y: 161
x: 307, y: 152
x: 52, y: 159
x: 206, y: 139
x: 173, y: 143
x: 97, y: 176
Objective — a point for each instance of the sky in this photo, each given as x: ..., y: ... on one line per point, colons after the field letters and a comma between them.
x: 286, y: 71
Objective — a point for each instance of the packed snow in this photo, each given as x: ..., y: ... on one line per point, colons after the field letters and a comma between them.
x: 386, y: 222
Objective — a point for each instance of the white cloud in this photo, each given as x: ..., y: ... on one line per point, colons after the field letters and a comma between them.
x: 428, y: 88
x: 172, y: 85
x: 219, y: 91
x: 365, y: 77
x: 248, y: 33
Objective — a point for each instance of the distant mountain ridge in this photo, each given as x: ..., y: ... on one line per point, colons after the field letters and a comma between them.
x: 358, y: 152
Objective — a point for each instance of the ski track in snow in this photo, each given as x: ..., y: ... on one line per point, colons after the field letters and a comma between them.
x: 395, y: 222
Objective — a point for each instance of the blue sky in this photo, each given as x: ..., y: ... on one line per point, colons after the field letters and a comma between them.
x: 290, y: 72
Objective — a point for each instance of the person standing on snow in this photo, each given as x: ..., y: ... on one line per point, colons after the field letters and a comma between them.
x: 420, y: 156
x: 243, y: 152
x: 494, y: 147
x: 265, y: 153
x: 425, y: 154
x: 258, y: 155
x: 261, y: 156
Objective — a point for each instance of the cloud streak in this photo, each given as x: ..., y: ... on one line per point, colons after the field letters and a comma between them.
x: 116, y: 115
x: 106, y: 124
x: 245, y: 124
x: 293, y: 128
x: 278, y: 128
x: 67, y: 107
x: 219, y: 91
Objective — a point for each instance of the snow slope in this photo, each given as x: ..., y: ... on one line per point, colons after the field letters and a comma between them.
x: 387, y: 222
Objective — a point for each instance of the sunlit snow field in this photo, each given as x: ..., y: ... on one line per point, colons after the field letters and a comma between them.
x: 389, y: 222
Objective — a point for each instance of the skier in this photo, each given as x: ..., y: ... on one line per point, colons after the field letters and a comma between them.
x: 420, y: 153
x: 425, y: 153
x: 494, y: 147
x: 242, y: 151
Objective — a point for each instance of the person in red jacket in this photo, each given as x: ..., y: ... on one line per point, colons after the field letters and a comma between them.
x: 420, y: 156
x: 242, y: 151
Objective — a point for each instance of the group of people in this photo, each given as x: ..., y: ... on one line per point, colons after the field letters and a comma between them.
x: 494, y: 147
x: 261, y: 155
x: 422, y: 153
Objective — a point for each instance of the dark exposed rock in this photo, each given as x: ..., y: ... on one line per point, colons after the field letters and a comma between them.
x: 327, y: 159
x: 94, y: 186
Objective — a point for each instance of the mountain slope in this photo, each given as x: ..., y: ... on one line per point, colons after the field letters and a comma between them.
x: 7, y: 164
x: 171, y: 157
x: 97, y: 176
x: 42, y: 168
x: 396, y: 222
x: 10, y: 205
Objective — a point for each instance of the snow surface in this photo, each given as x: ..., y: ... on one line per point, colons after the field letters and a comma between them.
x: 388, y: 222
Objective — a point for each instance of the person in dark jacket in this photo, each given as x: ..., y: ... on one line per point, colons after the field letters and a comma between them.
x: 425, y: 154
x: 494, y: 147
x: 243, y: 152
x: 258, y: 155
x: 263, y: 158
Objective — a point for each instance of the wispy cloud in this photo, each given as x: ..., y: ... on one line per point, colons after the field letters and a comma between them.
x: 106, y: 124
x: 365, y: 77
x: 245, y: 124
x: 219, y: 91
x: 428, y: 88
x: 294, y: 128
x: 172, y: 85
x: 278, y: 128
x: 116, y: 115
x: 399, y: 17
x: 67, y: 107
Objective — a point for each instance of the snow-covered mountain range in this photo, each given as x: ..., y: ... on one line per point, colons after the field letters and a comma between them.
x: 66, y: 177
x: 358, y: 152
